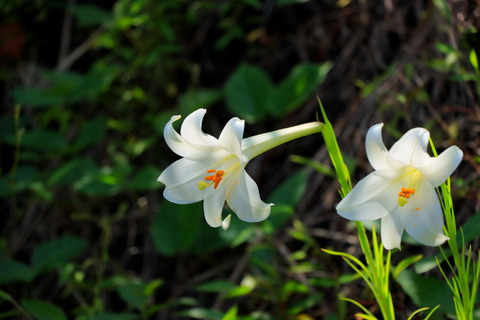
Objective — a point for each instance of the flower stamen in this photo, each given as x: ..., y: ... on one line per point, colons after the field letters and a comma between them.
x: 214, y: 179
x: 404, y: 195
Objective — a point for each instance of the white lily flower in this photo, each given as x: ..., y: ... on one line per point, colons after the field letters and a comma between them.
x: 402, y: 189
x: 212, y: 169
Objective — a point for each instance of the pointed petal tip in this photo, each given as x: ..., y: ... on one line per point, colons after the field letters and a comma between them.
x: 226, y: 222
x: 390, y: 248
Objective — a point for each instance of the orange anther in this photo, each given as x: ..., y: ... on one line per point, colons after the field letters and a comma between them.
x: 215, y: 178
x: 217, y: 182
x: 406, y: 192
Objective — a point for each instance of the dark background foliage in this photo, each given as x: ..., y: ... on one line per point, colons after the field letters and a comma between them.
x: 87, y: 87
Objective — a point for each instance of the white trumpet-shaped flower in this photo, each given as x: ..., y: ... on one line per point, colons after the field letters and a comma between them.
x: 212, y: 169
x: 401, y: 190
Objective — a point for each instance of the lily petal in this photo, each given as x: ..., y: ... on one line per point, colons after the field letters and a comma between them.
x: 411, y: 148
x: 422, y: 216
x: 231, y: 136
x: 391, y: 230
x: 244, y: 198
x: 438, y: 169
x: 191, y: 129
x: 177, y: 143
x: 213, y: 206
x: 376, y: 151
x: 373, y: 196
x: 226, y: 222
x: 181, y: 180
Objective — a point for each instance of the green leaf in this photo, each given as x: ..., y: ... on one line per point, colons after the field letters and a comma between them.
x: 305, y: 303
x: 5, y: 296
x: 133, y: 292
x: 231, y: 314
x: 43, y: 310
x: 426, y: 291
x: 175, y: 227
x: 40, y: 140
x: 146, y: 179
x: 198, y: 98
x: 36, y: 97
x: 12, y: 271
x: 474, y: 60
x: 111, y: 316
x: 103, y: 181
x: 72, y: 171
x: 91, y: 133
x: 200, y: 313
x: 248, y: 92
x: 89, y: 15
x: 97, y: 80
x: 24, y: 176
x: 54, y: 253
x: 290, y: 191
x: 298, y: 87
x: 7, y: 128
x: 217, y: 286
x: 285, y: 197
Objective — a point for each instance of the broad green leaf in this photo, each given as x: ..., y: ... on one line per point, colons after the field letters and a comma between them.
x: 426, y: 291
x: 217, y: 286
x: 200, y: 313
x: 175, y: 227
x: 198, y: 98
x: 54, y: 253
x: 248, y: 92
x: 97, y: 80
x: 133, y: 292
x: 90, y: 15
x: 104, y: 181
x: 281, y: 3
x: 146, y: 179
x: 285, y: 197
x: 24, y: 176
x: 36, y: 97
x: 43, y: 310
x: 299, y: 86
x: 5, y: 189
x: 7, y: 128
x: 72, y: 171
x: 91, y: 133
x: 309, y: 301
x: 40, y: 140
x: 12, y: 271
x: 109, y: 316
